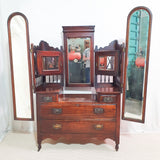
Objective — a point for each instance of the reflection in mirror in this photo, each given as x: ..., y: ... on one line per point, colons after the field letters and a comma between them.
x: 106, y: 63
x: 136, y: 65
x: 50, y: 63
x: 78, y: 50
x: 20, y: 67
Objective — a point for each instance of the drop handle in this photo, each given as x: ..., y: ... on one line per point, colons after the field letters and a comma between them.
x: 98, y: 126
x: 47, y: 99
x: 98, y: 110
x: 108, y: 99
x: 57, y: 126
x: 57, y: 110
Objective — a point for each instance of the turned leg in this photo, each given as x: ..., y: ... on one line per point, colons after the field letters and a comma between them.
x: 117, y: 147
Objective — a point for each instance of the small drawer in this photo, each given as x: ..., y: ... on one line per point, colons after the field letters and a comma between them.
x: 96, y: 126
x: 49, y: 98
x: 107, y: 98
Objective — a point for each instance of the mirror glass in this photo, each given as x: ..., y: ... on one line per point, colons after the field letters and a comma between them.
x: 106, y: 63
x: 135, y: 82
x: 19, y: 61
x: 78, y: 51
x: 50, y: 63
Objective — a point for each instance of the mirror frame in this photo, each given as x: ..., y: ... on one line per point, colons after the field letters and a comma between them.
x: 146, y: 67
x: 79, y: 32
x: 29, y: 65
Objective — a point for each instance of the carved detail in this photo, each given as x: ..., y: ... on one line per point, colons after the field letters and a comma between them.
x: 112, y: 46
x: 44, y: 46
x: 77, y: 138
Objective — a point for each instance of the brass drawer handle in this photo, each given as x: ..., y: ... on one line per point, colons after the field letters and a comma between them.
x: 47, y: 99
x: 98, y: 126
x: 57, y: 110
x: 98, y: 110
x: 108, y: 99
x: 57, y: 126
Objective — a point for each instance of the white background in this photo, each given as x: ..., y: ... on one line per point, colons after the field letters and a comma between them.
x: 46, y: 18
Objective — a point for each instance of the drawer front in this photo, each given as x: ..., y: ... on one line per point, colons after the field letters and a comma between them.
x: 56, y: 111
x: 53, y: 127
x: 107, y: 98
x: 48, y: 98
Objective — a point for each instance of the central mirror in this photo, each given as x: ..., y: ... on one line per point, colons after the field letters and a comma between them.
x: 79, y: 53
x: 78, y: 50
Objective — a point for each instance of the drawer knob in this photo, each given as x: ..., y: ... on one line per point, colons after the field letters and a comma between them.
x: 98, y: 110
x: 57, y: 126
x: 108, y: 99
x: 57, y: 110
x: 98, y: 126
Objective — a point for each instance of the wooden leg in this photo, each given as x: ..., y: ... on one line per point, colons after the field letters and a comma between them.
x: 39, y: 144
x: 39, y: 147
x: 117, y: 147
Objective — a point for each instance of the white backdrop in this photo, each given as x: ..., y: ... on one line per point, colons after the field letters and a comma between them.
x: 46, y: 19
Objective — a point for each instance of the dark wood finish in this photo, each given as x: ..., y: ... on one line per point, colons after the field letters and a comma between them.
x: 85, y: 110
x: 41, y: 54
x: 146, y: 65
x: 87, y: 117
x: 29, y: 64
x: 115, y: 54
x: 77, y: 118
x: 112, y: 49
x: 44, y: 47
x: 79, y: 32
x: 81, y: 127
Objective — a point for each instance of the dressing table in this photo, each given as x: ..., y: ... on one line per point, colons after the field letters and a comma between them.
x: 70, y: 108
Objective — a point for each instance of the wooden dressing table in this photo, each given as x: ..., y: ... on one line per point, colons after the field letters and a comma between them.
x: 78, y: 112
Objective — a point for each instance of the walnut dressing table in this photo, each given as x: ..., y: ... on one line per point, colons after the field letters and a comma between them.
x: 71, y: 109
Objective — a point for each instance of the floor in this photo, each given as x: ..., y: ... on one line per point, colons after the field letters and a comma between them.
x: 133, y: 106
x: 18, y: 146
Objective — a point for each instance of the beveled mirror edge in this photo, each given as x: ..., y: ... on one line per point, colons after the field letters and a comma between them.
x: 29, y: 65
x: 147, y: 63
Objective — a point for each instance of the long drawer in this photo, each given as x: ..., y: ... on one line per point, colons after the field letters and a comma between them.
x: 55, y: 126
x: 77, y: 111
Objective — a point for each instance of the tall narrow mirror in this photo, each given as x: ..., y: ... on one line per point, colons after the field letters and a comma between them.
x: 20, y: 66
x: 79, y: 55
x: 136, y: 64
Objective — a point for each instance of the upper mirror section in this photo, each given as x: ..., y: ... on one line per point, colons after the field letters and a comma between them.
x: 78, y: 60
x: 106, y: 63
x: 78, y: 47
x: 137, y: 57
x: 49, y: 62
x: 20, y: 66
